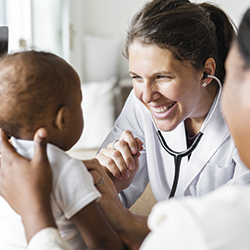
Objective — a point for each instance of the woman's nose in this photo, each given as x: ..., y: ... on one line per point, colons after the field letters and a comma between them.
x: 149, y: 92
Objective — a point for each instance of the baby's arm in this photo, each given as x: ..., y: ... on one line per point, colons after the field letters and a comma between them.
x: 95, y: 230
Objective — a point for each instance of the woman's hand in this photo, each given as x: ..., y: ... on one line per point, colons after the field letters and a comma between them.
x: 118, y: 216
x: 26, y: 184
x: 110, y: 202
x: 130, y: 241
x: 121, y: 158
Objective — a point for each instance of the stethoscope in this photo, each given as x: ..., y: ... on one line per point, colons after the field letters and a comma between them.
x: 179, y: 155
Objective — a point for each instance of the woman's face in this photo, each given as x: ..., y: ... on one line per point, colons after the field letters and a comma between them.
x: 236, y: 102
x: 169, y: 88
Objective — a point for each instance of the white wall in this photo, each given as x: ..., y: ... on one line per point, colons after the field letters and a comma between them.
x: 112, y: 17
x: 234, y: 8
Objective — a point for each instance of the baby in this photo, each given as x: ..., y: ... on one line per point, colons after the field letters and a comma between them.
x: 39, y: 89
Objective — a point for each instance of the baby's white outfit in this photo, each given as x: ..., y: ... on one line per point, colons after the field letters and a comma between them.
x: 73, y: 189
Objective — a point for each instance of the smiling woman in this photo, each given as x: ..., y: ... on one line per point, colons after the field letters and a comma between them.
x: 172, y: 47
x: 170, y: 88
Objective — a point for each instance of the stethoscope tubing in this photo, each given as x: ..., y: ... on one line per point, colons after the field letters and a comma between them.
x: 179, y: 155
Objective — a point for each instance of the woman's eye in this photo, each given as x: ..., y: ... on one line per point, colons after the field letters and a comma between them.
x: 136, y: 77
x: 164, y: 77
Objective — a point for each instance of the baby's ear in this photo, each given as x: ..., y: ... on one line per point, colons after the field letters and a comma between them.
x: 62, y: 119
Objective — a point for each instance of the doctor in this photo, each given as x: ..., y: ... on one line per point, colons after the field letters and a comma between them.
x: 171, y: 47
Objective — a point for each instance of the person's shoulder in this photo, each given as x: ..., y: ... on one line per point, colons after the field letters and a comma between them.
x: 227, y: 196
x: 220, y: 218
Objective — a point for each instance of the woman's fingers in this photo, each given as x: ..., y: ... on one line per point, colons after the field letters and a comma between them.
x: 96, y: 177
x: 121, y: 159
x: 128, y: 137
x: 40, y: 146
x: 101, y: 179
x: 33, y: 178
x: 130, y: 148
x: 124, y: 148
x: 6, y: 148
x: 113, y: 160
x: 119, y: 156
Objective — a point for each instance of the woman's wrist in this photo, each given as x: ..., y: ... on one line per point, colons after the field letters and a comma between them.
x: 136, y: 224
x: 37, y: 218
x: 131, y: 223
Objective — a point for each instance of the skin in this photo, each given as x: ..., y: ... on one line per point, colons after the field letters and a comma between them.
x: 70, y: 118
x: 64, y: 124
x: 236, y: 90
x: 32, y: 178
x: 64, y: 129
x: 236, y: 110
x: 161, y: 81
x: 236, y: 101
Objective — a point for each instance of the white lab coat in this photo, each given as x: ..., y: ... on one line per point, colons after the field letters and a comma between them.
x: 215, y: 161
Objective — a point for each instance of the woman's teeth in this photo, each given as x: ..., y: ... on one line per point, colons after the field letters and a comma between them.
x: 165, y: 108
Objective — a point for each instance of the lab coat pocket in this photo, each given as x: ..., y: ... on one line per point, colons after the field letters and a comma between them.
x: 214, y: 176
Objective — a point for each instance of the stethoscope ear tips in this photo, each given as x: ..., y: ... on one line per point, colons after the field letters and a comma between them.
x: 205, y: 75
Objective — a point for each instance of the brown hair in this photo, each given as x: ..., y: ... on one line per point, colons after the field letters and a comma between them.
x: 192, y: 32
x: 32, y: 84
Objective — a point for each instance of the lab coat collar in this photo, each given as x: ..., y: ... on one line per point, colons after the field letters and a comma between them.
x: 214, y: 135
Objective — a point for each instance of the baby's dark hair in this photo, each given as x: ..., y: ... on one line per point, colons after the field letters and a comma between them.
x: 192, y: 32
x: 32, y: 83
x: 243, y: 38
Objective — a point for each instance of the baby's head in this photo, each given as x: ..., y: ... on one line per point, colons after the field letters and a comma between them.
x: 40, y: 89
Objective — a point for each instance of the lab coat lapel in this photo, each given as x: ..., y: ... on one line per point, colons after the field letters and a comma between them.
x: 214, y: 135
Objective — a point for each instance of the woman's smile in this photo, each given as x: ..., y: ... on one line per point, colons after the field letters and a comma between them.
x: 161, y: 112
x: 171, y: 89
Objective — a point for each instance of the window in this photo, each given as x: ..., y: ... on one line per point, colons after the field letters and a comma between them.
x: 33, y: 24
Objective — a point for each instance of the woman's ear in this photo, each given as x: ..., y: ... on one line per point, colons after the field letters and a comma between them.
x: 62, y: 119
x: 209, y: 69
